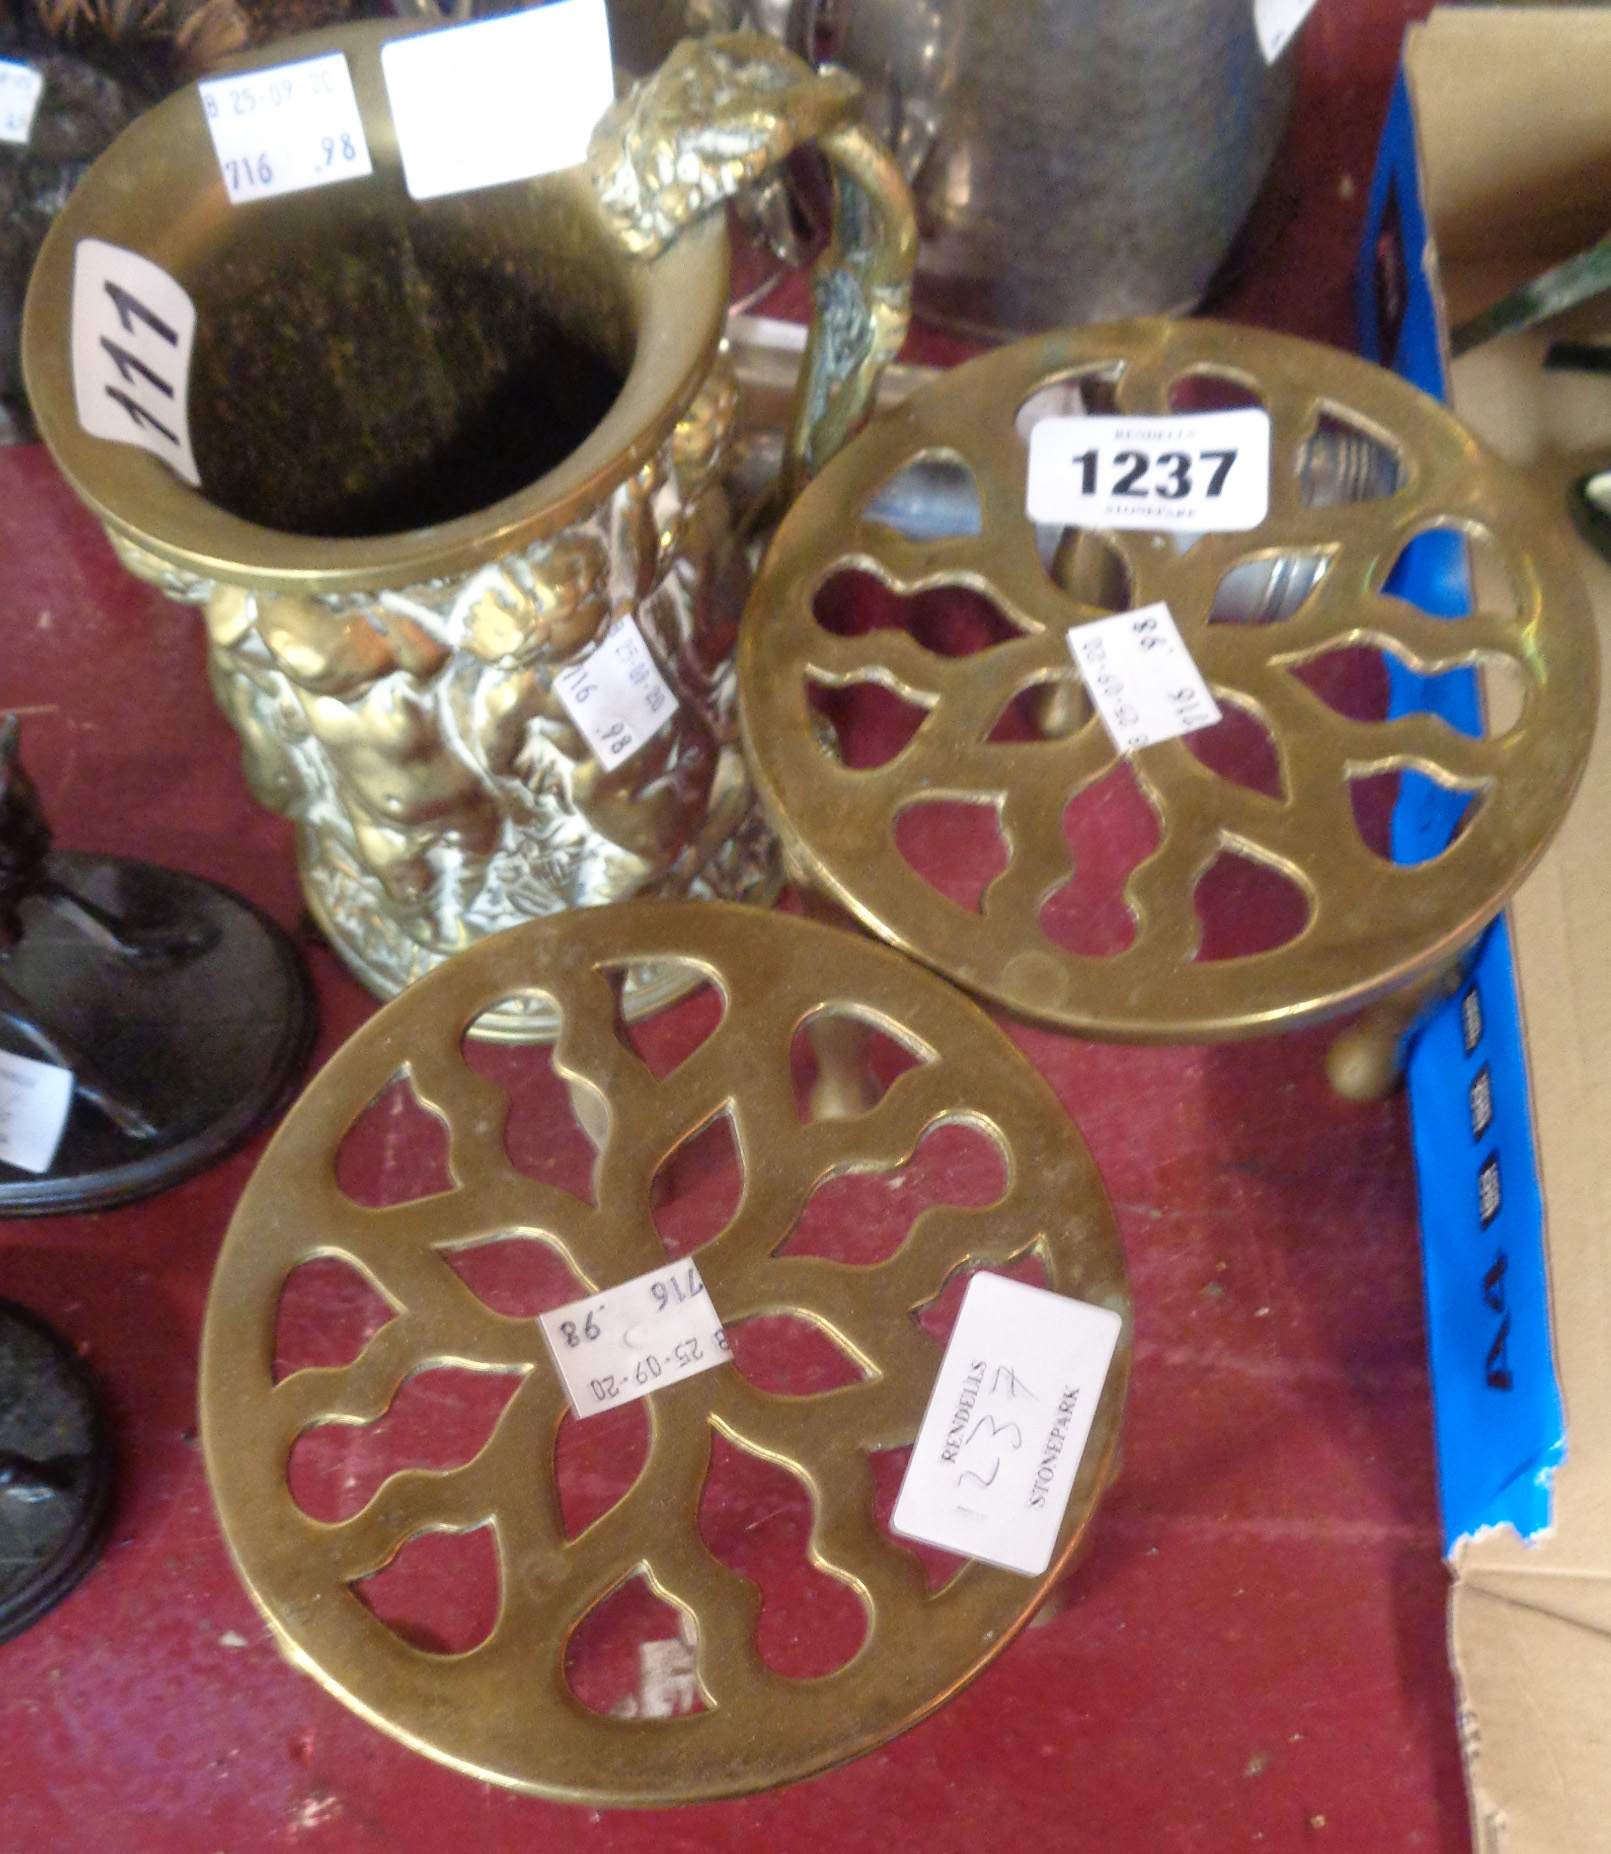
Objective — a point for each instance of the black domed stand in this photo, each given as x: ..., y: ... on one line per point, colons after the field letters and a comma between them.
x: 184, y: 1015
x: 55, y: 1471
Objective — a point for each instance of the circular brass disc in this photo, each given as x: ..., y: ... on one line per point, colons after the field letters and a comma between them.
x: 503, y: 1711
x: 1372, y: 925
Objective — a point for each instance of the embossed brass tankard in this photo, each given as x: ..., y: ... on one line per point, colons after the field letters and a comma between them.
x: 445, y: 447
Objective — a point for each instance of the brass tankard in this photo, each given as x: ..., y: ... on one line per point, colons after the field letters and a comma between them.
x: 445, y: 449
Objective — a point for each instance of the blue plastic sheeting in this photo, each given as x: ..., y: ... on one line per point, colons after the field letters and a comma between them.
x: 1500, y: 1428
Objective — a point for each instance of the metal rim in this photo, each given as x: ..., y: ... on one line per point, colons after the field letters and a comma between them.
x: 165, y: 161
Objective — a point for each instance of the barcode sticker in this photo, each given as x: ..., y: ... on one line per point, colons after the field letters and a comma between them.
x: 286, y: 129
x: 617, y: 696
x: 20, y: 89
x: 1007, y: 1422
x: 1276, y: 22
x: 34, y: 1101
x: 501, y: 99
x: 1141, y: 677
x: 652, y: 1331
x: 1199, y: 473
x: 133, y: 326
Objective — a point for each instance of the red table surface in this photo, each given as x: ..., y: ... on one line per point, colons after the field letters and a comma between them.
x: 1252, y: 1652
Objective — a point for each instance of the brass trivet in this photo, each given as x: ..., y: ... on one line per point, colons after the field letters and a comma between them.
x: 503, y: 1711
x: 1373, y: 927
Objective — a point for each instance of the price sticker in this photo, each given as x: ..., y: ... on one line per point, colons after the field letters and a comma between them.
x: 636, y: 1338
x: 1141, y: 677
x: 617, y: 696
x: 34, y: 1101
x: 133, y: 327
x: 1204, y: 472
x: 1276, y: 22
x: 20, y: 89
x: 286, y: 129
x: 499, y: 99
x: 1007, y: 1422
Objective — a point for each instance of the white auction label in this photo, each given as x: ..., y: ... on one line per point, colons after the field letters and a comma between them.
x: 632, y: 1339
x: 1276, y: 21
x: 617, y: 696
x: 20, y: 88
x: 286, y: 129
x: 34, y: 1099
x: 1141, y: 677
x: 1203, y: 472
x: 133, y: 327
x: 500, y: 99
x: 1006, y: 1424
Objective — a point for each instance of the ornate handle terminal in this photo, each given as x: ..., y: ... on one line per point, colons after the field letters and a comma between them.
x: 718, y: 114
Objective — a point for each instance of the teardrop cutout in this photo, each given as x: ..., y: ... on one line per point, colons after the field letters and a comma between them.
x: 440, y: 1593
x: 956, y: 845
x: 597, y: 1462
x: 787, y: 1355
x: 1247, y: 907
x: 663, y: 1040
x: 517, y: 1276
x: 843, y: 1063
x: 555, y: 1126
x: 1111, y: 829
x: 698, y: 1187
x: 396, y: 1151
x: 868, y: 723
x: 938, y: 1316
x: 863, y: 1217
x: 950, y: 621
x: 439, y: 1419
x: 934, y: 497
x: 1240, y: 748
x: 756, y: 1518
x: 329, y: 1311
x: 635, y: 1656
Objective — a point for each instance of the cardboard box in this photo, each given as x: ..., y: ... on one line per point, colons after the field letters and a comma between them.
x: 1495, y: 164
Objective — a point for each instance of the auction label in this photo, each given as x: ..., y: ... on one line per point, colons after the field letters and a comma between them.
x: 1203, y: 472
x: 1008, y: 1418
x: 34, y: 1100
x: 20, y: 88
x: 630, y: 1340
x: 133, y: 327
x: 617, y: 696
x: 1141, y: 677
x: 1275, y: 22
x: 500, y: 99
x: 286, y: 129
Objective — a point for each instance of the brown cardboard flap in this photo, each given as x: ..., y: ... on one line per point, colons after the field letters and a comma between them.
x: 1531, y: 1624
x: 1512, y: 102
x: 1513, y: 116
x: 1537, y: 1726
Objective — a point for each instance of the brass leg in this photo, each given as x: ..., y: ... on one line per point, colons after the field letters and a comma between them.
x: 1366, y: 1061
x: 845, y: 1084
x: 1063, y: 708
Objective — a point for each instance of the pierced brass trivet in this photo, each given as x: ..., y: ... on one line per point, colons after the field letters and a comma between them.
x: 503, y: 1711
x: 1361, y: 465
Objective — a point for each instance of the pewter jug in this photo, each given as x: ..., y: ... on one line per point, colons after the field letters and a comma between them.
x: 1072, y: 160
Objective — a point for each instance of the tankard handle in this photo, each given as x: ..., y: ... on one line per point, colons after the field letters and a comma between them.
x: 719, y: 113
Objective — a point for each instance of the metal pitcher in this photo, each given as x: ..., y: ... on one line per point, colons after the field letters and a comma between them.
x: 1072, y: 160
x: 445, y: 448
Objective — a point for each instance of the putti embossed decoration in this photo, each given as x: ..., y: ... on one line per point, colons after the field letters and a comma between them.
x: 444, y: 447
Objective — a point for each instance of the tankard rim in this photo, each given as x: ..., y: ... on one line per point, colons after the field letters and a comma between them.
x: 158, y: 191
